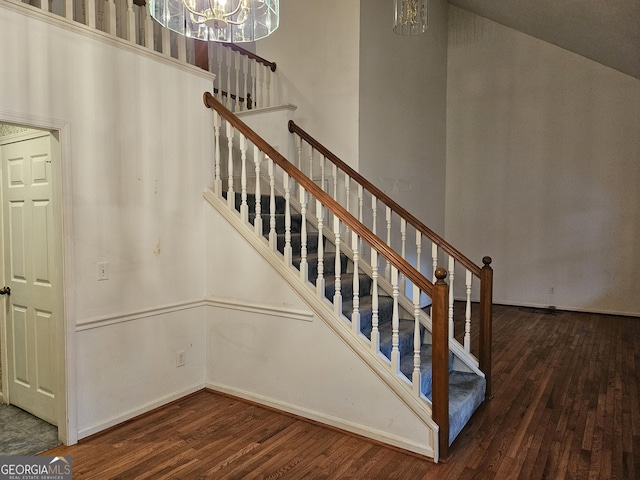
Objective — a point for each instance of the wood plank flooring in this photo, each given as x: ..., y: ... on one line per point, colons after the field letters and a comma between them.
x: 566, y: 406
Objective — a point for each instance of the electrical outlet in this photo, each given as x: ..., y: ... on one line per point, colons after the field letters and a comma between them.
x: 103, y: 271
x: 180, y: 358
x: 552, y: 290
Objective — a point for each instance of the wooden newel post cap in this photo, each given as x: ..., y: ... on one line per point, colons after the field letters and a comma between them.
x: 487, y: 261
x: 441, y: 274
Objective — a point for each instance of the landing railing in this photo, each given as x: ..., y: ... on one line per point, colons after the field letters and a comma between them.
x: 243, y: 80
x: 406, y: 234
x: 233, y: 138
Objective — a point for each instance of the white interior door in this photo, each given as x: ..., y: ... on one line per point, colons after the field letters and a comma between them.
x: 32, y: 270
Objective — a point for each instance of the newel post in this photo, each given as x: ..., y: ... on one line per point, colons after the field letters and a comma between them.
x: 486, y: 319
x: 440, y: 359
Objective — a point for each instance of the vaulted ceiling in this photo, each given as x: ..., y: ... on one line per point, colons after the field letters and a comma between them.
x: 606, y: 31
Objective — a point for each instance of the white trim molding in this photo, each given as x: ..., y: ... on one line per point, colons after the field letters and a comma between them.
x: 106, y: 320
x: 325, y: 419
x: 275, y: 311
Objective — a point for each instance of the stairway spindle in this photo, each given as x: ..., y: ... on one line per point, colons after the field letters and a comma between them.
x: 322, y: 174
x: 355, y: 315
x: 131, y: 22
x: 403, y: 251
x: 219, y: 76
x: 288, y: 254
x: 337, y: 296
x: 395, y: 323
x: 257, y: 221
x: 375, y: 333
x: 228, y: 86
x: 245, y: 63
x: 388, y: 219
x: 217, y: 182
x: 304, y: 270
x: 273, y: 235
x: 244, y: 207
x: 452, y: 266
x: 320, y: 253
x: 298, y: 142
x: 374, y: 214
x: 467, y: 313
x: 311, y: 155
x: 231, y: 197
x: 418, y: 250
x: 417, y: 342
x: 236, y: 63
x: 434, y: 261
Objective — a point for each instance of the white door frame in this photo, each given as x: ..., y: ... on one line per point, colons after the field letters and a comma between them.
x: 67, y: 399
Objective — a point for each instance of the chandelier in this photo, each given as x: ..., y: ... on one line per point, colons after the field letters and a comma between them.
x: 411, y: 17
x: 229, y: 21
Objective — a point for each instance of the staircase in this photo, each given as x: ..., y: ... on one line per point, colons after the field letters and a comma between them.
x: 371, y: 290
x: 466, y: 389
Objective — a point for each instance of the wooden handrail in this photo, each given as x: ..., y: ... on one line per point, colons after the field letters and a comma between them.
x: 417, y: 224
x: 349, y: 220
x: 251, y: 55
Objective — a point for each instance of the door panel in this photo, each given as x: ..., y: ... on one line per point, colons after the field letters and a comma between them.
x: 30, y: 250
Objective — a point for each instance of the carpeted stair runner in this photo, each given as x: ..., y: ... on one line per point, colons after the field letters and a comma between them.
x: 466, y: 390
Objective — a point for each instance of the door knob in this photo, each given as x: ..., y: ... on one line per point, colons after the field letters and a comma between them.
x: 5, y: 291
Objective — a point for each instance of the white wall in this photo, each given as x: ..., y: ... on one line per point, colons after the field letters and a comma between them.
x: 316, y: 50
x: 403, y: 83
x: 135, y: 157
x: 543, y: 168
x: 269, y: 347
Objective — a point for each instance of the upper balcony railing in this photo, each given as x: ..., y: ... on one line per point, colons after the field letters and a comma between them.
x: 243, y: 80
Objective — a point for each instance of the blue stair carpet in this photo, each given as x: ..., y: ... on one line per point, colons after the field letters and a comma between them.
x: 466, y: 390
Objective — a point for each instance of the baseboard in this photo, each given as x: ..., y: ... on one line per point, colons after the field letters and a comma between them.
x: 128, y: 415
x: 324, y: 419
x: 562, y: 308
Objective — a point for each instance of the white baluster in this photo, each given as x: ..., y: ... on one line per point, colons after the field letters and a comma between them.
x: 374, y: 214
x: 110, y: 15
x: 304, y: 267
x: 337, y: 296
x: 260, y: 89
x: 320, y: 278
x: 251, y: 95
x: 360, y: 208
x: 434, y: 261
x: 288, y: 254
x: 237, y: 57
x: 451, y: 279
x: 231, y: 197
x: 244, y: 207
x: 68, y: 9
x: 245, y: 62
x: 467, y: 314
x: 182, y: 48
x: 257, y: 222
x: 375, y: 333
x: 44, y: 5
x: 355, y: 315
x: 418, y: 250
x: 395, y: 322
x: 268, y: 86
x: 148, y: 30
x: 322, y: 174
x: 131, y: 22
x: 217, y: 182
x: 90, y: 14
x: 228, y: 85
x: 347, y: 189
x: 298, y: 142
x: 403, y: 250
x: 311, y: 154
x: 417, y: 342
x: 273, y: 236
x: 166, y: 41
x: 388, y: 219
x: 219, y: 77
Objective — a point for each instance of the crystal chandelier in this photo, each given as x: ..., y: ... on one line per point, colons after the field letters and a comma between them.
x: 411, y: 17
x: 230, y: 21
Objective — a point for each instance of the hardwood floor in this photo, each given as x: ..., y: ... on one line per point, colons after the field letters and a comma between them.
x: 566, y: 406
